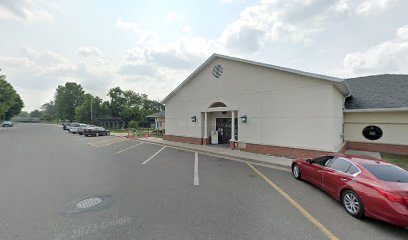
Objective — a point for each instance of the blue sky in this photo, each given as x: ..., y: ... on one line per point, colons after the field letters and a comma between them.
x: 151, y: 46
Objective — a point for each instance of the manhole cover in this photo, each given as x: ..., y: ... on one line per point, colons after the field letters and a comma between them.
x: 90, y: 202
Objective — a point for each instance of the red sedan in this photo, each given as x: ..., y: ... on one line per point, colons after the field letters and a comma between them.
x: 365, y: 186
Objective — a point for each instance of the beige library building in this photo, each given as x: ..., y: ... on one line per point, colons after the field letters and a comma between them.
x: 262, y: 108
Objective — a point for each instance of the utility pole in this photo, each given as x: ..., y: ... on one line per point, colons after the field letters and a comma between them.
x: 3, y: 113
x: 91, y: 109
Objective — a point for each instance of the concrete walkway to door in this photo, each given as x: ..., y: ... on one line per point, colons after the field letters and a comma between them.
x: 222, y: 152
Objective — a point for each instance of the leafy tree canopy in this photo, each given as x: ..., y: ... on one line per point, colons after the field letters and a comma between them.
x: 10, y: 102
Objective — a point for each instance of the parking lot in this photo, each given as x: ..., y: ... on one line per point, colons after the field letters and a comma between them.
x: 152, y: 191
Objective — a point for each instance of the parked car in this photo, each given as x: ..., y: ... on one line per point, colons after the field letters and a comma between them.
x: 7, y: 124
x: 73, y: 127
x: 365, y: 186
x: 82, y: 128
x: 96, y: 131
x: 66, y: 125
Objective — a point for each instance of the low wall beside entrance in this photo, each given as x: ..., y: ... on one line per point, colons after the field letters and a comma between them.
x: 191, y: 140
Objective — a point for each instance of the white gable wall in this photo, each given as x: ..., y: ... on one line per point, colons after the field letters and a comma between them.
x: 283, y: 109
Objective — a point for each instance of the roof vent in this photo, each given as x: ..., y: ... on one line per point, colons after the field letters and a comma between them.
x: 217, y: 71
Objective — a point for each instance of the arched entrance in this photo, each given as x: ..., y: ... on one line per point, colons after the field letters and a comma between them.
x: 220, y: 124
x: 217, y: 104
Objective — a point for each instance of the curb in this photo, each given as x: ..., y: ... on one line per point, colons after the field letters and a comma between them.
x: 227, y: 156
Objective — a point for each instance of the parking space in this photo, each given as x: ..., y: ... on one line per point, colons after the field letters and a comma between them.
x: 331, y: 213
x: 214, y: 174
x: 166, y: 193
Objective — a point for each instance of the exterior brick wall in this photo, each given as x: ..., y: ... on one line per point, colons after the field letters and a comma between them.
x: 191, y: 140
x: 378, y: 147
x: 232, y: 144
x: 282, y: 151
x: 206, y: 141
x: 296, y: 152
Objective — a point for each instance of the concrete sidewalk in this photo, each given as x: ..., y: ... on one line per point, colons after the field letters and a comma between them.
x: 221, y: 152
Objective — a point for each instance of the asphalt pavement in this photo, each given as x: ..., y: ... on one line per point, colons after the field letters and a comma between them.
x: 57, y: 185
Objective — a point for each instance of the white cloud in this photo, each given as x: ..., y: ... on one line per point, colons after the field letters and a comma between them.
x: 89, y: 52
x: 386, y: 57
x: 145, y: 37
x: 35, y: 71
x: 369, y: 6
x: 231, y: 1
x: 22, y: 10
x: 137, y: 70
x: 184, y: 53
x: 186, y: 29
x: 279, y: 20
x: 128, y: 25
x: 173, y: 17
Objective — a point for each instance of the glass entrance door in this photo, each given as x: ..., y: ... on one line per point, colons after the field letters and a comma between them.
x: 223, y: 126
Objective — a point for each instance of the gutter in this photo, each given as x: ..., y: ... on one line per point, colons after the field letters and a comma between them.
x: 401, y: 109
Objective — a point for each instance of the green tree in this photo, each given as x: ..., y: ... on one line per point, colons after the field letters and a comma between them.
x: 15, y: 109
x: 49, y: 111
x: 36, y: 114
x: 117, y: 101
x: 67, y: 98
x: 130, y: 105
x: 83, y: 112
x: 23, y: 114
x: 10, y: 102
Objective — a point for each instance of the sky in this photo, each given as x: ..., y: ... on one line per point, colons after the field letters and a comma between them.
x: 152, y: 46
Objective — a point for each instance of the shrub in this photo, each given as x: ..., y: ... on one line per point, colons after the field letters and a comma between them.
x: 133, y: 124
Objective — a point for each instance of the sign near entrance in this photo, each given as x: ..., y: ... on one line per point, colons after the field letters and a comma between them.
x: 217, y: 71
x: 214, y: 137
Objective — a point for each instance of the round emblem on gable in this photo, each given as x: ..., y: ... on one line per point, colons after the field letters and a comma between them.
x: 372, y: 132
x: 217, y: 71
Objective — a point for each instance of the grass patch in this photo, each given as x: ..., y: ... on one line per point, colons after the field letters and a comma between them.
x: 399, y: 160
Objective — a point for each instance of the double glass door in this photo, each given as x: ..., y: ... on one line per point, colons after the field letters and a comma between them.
x: 223, y: 126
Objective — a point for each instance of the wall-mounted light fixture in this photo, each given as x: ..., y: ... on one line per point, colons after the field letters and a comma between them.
x: 194, y: 118
x: 244, y: 118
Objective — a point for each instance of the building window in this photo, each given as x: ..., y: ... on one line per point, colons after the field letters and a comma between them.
x: 372, y: 132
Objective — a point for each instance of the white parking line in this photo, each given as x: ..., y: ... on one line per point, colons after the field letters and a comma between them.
x: 83, y: 138
x: 110, y: 143
x: 196, y: 180
x: 154, y: 155
x: 128, y: 148
x: 104, y: 140
x: 218, y: 156
x: 105, y: 143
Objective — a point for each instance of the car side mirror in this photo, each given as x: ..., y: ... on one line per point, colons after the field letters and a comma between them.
x: 310, y: 161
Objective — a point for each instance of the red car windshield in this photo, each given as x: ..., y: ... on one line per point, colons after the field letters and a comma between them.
x: 388, y: 173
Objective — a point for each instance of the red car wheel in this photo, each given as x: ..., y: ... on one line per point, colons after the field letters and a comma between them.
x: 296, y: 172
x: 352, y: 203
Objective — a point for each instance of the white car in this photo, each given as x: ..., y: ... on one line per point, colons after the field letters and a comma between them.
x: 74, y: 128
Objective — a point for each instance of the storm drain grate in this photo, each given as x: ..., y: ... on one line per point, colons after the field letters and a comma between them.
x: 88, y: 204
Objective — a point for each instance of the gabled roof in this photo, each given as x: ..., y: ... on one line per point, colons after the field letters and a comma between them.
x: 339, y: 83
x: 378, y: 93
x: 157, y: 115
